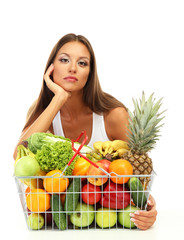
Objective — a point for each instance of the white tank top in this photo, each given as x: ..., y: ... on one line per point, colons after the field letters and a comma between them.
x: 98, y: 130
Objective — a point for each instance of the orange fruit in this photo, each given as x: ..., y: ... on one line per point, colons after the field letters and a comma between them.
x: 81, y: 166
x: 54, y: 182
x: 132, y: 203
x: 38, y: 200
x: 28, y: 190
x: 120, y: 167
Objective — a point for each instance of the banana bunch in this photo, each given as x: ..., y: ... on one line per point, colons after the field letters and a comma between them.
x: 112, y: 149
x: 22, y: 151
x: 94, y: 156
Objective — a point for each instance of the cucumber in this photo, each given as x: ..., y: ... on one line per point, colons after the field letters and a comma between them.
x: 137, y: 192
x: 72, y: 198
x: 57, y: 212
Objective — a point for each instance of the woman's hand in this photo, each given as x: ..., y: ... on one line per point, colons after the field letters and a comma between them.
x: 145, y: 219
x: 56, y: 89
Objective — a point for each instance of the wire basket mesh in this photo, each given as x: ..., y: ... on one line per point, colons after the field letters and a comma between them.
x: 60, y: 202
x: 75, y: 202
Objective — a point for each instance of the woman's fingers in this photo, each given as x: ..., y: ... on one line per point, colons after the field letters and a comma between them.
x: 47, y: 76
x: 48, y: 73
x: 55, y: 88
x: 151, y: 203
x: 141, y: 225
x: 49, y: 70
x: 145, y: 215
x: 145, y: 219
x: 50, y: 84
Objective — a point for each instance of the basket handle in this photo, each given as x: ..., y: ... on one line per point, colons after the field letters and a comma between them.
x: 77, y: 152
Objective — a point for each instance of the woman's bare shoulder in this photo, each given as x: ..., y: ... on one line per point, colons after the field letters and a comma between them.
x: 116, y: 122
x: 116, y: 115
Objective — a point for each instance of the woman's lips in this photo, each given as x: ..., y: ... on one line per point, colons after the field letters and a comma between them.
x: 71, y: 79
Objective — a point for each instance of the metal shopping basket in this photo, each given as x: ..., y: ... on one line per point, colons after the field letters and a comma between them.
x: 82, y: 205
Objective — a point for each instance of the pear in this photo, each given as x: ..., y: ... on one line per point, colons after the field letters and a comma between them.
x: 26, y: 166
x: 35, y: 221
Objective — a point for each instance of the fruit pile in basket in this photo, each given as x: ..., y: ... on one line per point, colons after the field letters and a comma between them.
x: 106, y: 197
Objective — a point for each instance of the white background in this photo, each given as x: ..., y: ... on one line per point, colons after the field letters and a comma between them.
x: 139, y: 45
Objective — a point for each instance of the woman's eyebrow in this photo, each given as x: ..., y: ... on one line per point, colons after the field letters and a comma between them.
x: 69, y: 56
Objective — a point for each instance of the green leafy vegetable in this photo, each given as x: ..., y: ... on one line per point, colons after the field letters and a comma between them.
x: 56, y: 156
x: 37, y: 140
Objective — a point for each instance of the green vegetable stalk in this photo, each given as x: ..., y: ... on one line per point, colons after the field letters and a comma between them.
x: 37, y: 140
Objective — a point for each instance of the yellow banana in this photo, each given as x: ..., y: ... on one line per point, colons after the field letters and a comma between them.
x: 20, y: 153
x: 121, y: 152
x: 98, y: 146
x: 107, y: 147
x: 119, y: 144
x: 29, y: 153
x: 34, y: 183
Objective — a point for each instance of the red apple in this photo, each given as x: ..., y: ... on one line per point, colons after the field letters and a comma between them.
x: 105, y: 163
x: 91, y: 194
x: 94, y: 171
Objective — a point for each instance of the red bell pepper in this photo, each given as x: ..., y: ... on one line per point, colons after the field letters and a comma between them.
x: 115, y: 196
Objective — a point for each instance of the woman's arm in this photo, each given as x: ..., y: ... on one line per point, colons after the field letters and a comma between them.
x: 44, y: 121
x: 116, y: 122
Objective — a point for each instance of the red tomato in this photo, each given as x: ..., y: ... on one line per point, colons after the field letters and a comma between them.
x: 91, y: 194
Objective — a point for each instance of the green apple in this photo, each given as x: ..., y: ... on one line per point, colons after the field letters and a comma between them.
x: 26, y: 166
x: 35, y: 221
x: 124, y: 216
x: 83, y: 216
x: 106, y: 217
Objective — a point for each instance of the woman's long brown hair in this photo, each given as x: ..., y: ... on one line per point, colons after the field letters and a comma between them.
x: 93, y: 96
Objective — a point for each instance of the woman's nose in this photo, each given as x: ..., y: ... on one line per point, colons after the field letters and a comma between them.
x: 73, y: 68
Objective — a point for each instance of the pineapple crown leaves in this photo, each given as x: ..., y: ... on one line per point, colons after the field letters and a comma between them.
x: 143, y: 124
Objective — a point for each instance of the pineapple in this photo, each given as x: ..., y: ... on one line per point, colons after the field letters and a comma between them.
x: 143, y: 134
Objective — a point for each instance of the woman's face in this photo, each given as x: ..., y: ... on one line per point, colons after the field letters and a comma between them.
x: 72, y: 66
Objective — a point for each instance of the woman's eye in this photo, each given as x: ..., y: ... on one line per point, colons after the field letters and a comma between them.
x: 64, y: 60
x: 83, y: 63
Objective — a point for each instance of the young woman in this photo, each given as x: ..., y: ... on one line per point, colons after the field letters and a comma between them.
x: 71, y: 100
